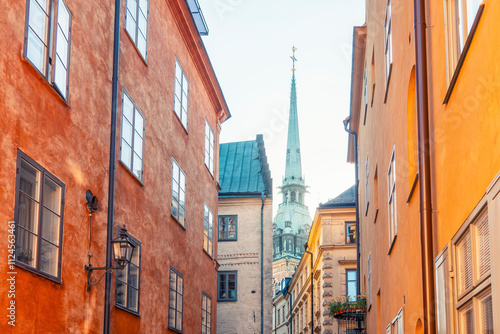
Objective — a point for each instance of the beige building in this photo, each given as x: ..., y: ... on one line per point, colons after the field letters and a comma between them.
x: 332, y: 242
x: 244, y: 289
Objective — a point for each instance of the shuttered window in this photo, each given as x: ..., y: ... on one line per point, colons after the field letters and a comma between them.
x: 464, y: 262
x: 473, y: 269
x: 483, y: 245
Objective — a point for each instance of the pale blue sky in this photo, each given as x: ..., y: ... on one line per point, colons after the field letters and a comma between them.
x: 250, y: 44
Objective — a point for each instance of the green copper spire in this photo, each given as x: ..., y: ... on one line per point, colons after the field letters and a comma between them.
x: 293, y: 170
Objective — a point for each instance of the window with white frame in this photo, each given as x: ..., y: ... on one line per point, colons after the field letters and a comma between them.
x: 208, y: 223
x: 47, y: 51
x: 181, y: 94
x: 388, y: 42
x: 391, y: 178
x: 136, y: 24
x: 178, y: 205
x: 209, y: 147
x: 473, y: 265
x: 132, y: 143
x: 206, y: 314
x: 396, y: 325
x: 367, y: 184
x: 459, y: 19
x: 365, y: 93
x: 39, y: 219
x: 470, y: 301
x: 351, y: 285
x: 369, y: 279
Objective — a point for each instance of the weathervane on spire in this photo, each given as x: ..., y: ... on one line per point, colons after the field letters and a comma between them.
x: 293, y: 57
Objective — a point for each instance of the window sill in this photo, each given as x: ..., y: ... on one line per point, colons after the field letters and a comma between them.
x: 227, y: 240
x: 210, y: 256
x: 123, y: 308
x: 180, y: 122
x: 413, y: 187
x: 461, y: 60
x: 178, y: 222
x: 393, y: 242
x: 226, y: 300
x: 136, y: 49
x: 39, y: 273
x: 131, y: 173
x: 388, y: 83
x: 376, y: 216
x: 41, y: 76
x: 174, y: 329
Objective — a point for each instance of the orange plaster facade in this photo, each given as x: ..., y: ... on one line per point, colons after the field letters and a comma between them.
x: 71, y: 140
x: 464, y: 162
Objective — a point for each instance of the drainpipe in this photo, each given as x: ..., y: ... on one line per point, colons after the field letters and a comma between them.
x: 356, y: 185
x: 112, y: 154
x: 312, y: 288
x: 290, y: 312
x: 263, y: 198
x: 275, y: 322
x: 424, y: 169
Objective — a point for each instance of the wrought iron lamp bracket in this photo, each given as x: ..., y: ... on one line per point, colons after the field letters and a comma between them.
x: 93, y: 280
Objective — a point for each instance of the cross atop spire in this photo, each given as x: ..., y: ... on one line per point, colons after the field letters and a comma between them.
x: 293, y: 57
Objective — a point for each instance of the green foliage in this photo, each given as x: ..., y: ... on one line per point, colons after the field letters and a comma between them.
x: 343, y: 304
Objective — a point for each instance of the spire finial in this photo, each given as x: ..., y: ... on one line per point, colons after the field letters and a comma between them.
x: 293, y: 57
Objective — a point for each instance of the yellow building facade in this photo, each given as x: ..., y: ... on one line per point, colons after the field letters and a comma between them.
x: 424, y: 105
x: 332, y: 245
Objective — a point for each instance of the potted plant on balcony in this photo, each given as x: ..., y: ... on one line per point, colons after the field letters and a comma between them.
x: 343, y: 307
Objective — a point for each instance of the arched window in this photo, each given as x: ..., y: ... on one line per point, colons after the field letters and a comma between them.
x: 293, y: 196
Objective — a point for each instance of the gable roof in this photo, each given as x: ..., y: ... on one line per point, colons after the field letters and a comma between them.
x: 243, y: 169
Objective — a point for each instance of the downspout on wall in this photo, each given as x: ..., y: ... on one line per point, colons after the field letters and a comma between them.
x: 263, y: 198
x: 426, y: 240
x: 290, y: 312
x: 112, y: 164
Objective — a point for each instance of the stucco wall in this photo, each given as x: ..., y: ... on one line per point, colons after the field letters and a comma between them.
x: 72, y: 142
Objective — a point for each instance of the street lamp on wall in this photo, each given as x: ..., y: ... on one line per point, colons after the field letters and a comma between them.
x: 123, y: 250
x: 122, y: 247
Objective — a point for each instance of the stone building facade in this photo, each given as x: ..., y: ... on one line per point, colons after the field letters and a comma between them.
x: 332, y: 242
x: 244, y: 302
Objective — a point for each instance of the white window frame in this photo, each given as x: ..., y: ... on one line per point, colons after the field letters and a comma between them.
x: 396, y: 325
x: 367, y: 184
x: 459, y: 19
x: 208, y: 228
x: 178, y: 203
x: 53, y: 48
x: 480, y: 288
x: 392, y: 207
x: 132, y: 148
x: 209, y: 147
x: 369, y: 267
x: 181, y: 92
x: 136, y: 24
x: 388, y: 43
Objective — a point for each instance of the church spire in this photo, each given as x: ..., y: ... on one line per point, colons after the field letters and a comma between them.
x: 293, y: 170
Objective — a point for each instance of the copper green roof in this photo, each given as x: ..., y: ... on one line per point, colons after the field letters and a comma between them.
x: 243, y: 169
